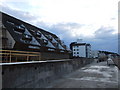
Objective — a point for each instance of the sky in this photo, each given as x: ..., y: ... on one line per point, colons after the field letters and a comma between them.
x: 93, y: 21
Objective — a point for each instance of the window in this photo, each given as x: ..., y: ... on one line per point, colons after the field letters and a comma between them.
x: 27, y: 37
x: 77, y: 52
x: 74, y: 52
x: 74, y: 49
x: 46, y: 41
x: 38, y: 34
x: 19, y: 29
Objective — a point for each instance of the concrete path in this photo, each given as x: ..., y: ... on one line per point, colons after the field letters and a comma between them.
x: 94, y: 75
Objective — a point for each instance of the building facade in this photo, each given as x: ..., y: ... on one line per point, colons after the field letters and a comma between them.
x: 81, y: 49
x: 19, y: 35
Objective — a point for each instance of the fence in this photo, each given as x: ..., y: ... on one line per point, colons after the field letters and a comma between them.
x: 16, y: 56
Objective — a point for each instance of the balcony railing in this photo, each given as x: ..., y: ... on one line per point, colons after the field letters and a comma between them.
x: 18, y: 56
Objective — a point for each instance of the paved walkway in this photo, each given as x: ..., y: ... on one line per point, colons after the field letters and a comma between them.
x: 94, y: 75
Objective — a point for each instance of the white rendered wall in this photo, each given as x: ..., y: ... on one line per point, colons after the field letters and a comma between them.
x: 89, y: 51
x: 80, y: 49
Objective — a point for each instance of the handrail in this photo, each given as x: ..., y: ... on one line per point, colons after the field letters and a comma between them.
x: 19, y: 54
x: 10, y: 55
x: 18, y: 51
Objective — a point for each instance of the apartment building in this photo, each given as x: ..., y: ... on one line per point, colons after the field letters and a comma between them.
x: 80, y: 49
x: 19, y: 35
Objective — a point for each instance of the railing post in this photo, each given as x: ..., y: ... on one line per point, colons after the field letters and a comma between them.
x: 27, y: 56
x: 10, y: 56
x: 39, y: 56
x: 16, y: 58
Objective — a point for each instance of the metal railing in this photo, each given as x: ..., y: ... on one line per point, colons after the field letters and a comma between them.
x: 18, y: 56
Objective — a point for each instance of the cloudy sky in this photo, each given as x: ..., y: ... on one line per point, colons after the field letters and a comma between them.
x: 94, y: 21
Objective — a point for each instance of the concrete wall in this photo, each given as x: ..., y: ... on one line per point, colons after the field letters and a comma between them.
x: 38, y: 74
x: 53, y: 55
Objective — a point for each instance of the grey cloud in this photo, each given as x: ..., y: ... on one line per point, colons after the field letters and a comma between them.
x: 104, y: 32
x: 63, y: 29
x: 25, y: 16
x: 103, y: 40
x: 70, y: 25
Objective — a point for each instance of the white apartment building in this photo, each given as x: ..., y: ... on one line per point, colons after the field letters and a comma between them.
x: 81, y: 50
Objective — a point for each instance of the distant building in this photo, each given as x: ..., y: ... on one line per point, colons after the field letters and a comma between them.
x: 107, y: 54
x: 103, y: 55
x: 80, y: 49
x: 72, y: 45
x: 95, y: 53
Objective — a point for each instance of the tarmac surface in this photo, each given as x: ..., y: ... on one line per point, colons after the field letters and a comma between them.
x: 94, y: 75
